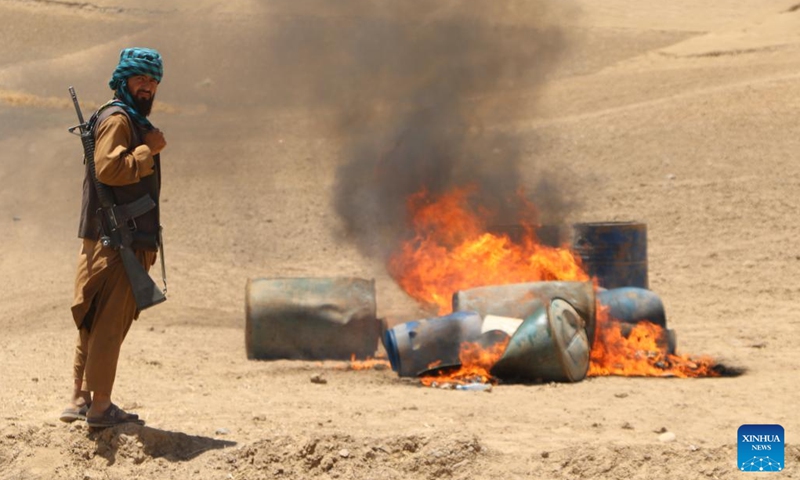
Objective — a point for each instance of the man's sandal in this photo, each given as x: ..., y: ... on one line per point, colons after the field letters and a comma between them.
x: 70, y: 414
x: 113, y: 416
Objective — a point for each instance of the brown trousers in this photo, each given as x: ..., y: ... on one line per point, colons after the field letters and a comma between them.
x: 103, y: 310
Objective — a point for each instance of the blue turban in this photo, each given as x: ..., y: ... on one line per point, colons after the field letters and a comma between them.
x: 134, y: 61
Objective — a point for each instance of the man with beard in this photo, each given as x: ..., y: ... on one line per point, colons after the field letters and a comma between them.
x: 127, y: 159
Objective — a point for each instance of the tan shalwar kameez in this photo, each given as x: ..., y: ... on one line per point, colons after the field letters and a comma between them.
x: 103, y: 296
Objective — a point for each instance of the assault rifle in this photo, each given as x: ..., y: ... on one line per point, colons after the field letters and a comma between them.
x: 116, y: 220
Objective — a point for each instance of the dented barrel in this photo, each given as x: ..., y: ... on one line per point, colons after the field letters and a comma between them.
x: 520, y: 300
x: 551, y: 345
x: 311, y: 318
x: 613, y: 252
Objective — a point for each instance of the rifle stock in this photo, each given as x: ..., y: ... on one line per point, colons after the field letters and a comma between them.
x: 145, y: 290
x: 116, y: 232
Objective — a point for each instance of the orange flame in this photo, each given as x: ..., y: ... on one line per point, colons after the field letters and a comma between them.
x: 451, y: 251
x: 643, y: 353
x: 368, y: 363
x: 476, y: 361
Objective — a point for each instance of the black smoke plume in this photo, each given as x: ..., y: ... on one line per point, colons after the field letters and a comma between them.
x: 422, y: 91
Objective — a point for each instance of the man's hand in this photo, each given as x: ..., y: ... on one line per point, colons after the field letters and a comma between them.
x: 155, y: 140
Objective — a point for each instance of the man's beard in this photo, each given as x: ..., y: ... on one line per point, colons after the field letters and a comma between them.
x: 144, y: 105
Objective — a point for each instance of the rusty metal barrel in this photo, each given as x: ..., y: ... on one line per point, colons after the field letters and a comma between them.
x: 311, y: 318
x: 613, y: 252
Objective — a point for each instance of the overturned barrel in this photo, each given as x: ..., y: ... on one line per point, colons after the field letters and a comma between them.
x: 520, y: 300
x: 414, y: 347
x: 311, y: 318
x: 613, y: 252
x: 633, y: 305
x: 551, y: 345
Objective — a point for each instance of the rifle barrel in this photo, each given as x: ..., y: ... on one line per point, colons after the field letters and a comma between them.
x: 77, y: 107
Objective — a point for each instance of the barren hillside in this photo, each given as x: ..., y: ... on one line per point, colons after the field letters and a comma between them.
x: 681, y: 115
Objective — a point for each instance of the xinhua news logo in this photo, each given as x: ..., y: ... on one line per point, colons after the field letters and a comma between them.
x: 760, y: 448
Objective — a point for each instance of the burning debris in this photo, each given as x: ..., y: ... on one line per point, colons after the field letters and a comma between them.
x: 569, y: 326
x: 525, y: 332
x: 643, y: 352
x: 426, y: 167
x: 555, y: 342
x: 537, y: 317
x: 368, y: 364
x: 476, y: 361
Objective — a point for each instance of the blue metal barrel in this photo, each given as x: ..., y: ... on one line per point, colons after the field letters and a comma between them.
x: 613, y: 252
x: 633, y: 305
x: 413, y: 346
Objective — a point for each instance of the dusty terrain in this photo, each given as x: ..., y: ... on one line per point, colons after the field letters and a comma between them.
x: 680, y: 114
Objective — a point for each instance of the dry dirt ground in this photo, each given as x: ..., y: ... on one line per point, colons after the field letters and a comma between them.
x: 679, y: 114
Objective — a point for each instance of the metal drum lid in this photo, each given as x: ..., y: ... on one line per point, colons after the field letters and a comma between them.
x: 569, y: 334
